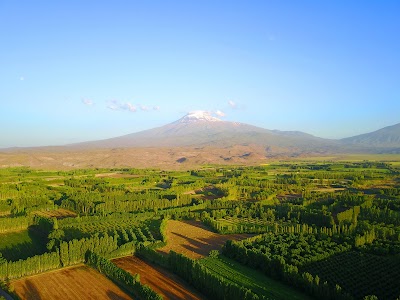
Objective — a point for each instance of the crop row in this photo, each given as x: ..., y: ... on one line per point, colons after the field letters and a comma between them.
x: 360, y: 274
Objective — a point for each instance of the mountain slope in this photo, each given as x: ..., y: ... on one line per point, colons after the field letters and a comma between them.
x: 199, y: 129
x: 385, y: 138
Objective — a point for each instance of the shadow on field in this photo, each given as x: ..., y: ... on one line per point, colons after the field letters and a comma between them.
x: 194, y: 246
x: 194, y: 242
x: 30, y: 291
x: 24, y: 246
x: 202, y: 246
x: 161, y: 280
x: 216, y: 242
x: 113, y: 296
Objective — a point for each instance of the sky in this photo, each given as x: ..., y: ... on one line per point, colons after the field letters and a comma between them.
x: 73, y: 71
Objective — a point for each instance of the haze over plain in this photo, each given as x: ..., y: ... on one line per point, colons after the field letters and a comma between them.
x: 74, y: 71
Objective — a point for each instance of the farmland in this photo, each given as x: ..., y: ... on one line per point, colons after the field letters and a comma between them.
x: 56, y: 213
x: 71, y: 283
x: 20, y: 245
x: 257, y: 282
x: 297, y: 229
x: 165, y: 283
x: 194, y: 239
x: 381, y: 274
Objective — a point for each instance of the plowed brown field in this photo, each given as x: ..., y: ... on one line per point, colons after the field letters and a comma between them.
x: 160, y: 280
x: 194, y: 240
x: 68, y: 284
x: 58, y: 213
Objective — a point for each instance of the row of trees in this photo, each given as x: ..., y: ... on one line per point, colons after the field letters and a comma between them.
x: 386, y: 216
x: 94, y: 203
x: 294, y: 249
x: 69, y: 253
x: 213, y: 285
x: 349, y: 216
x: 30, y: 266
x: 15, y: 224
x: 244, y: 225
x: 278, y: 268
x: 125, y: 279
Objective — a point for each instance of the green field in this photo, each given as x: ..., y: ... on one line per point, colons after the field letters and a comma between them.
x: 251, y: 279
x: 21, y: 245
x: 351, y: 158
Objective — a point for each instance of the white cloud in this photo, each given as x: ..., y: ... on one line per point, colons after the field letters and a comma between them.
x: 127, y: 106
x: 232, y: 104
x: 87, y: 101
x: 220, y: 113
x: 130, y: 107
x: 112, y: 107
x: 144, y: 107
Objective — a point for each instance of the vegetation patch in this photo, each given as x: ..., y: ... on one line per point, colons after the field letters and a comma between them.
x: 330, y: 230
x: 251, y: 279
x: 21, y: 245
x: 380, y: 275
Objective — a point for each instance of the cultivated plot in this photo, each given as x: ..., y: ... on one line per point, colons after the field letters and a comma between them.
x: 60, y: 213
x: 163, y: 282
x: 71, y: 283
x: 252, y: 279
x: 194, y: 240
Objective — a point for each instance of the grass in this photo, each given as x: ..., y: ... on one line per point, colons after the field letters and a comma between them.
x: 344, y: 158
x: 21, y: 245
x: 372, y: 157
x: 251, y: 279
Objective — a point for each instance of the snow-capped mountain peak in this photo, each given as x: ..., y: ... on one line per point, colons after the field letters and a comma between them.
x: 198, y: 116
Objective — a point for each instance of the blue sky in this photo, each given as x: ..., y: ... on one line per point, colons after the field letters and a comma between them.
x: 73, y: 71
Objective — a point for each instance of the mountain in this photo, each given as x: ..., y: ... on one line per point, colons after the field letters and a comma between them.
x: 386, y: 139
x: 198, y: 139
x: 201, y: 129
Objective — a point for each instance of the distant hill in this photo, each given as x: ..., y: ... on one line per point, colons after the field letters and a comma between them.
x: 386, y: 139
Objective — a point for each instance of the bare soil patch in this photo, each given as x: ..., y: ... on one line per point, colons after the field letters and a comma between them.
x: 60, y: 213
x: 135, y: 157
x: 163, y: 282
x: 80, y: 282
x: 194, y: 240
x: 4, y: 214
x: 288, y: 197
x: 115, y: 175
x: 329, y: 190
